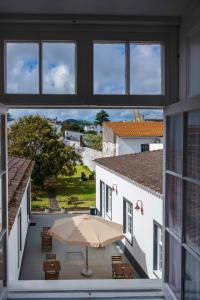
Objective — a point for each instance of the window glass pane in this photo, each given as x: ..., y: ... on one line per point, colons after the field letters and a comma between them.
x: 194, y: 64
x: 109, y: 68
x: 2, y: 241
x: 174, y: 203
x: 0, y: 204
x: 174, y: 267
x: 193, y: 145
x: 174, y: 147
x: 58, y: 64
x: 145, y: 69
x: 192, y: 277
x: 193, y: 216
x: 22, y: 72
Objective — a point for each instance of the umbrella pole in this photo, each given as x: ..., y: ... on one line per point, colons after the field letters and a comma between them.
x: 86, y: 255
x: 86, y: 271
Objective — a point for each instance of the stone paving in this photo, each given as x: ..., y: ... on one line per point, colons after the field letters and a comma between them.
x: 72, y: 258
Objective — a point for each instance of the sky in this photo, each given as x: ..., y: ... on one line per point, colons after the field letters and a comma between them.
x: 58, y: 75
x: 85, y: 114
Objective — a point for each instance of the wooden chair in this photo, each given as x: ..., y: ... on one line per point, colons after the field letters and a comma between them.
x: 50, y: 256
x: 45, y: 228
x: 46, y: 241
x: 116, y: 259
x: 51, y: 269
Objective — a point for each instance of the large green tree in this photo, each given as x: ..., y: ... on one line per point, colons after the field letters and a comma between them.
x: 101, y: 117
x: 34, y: 137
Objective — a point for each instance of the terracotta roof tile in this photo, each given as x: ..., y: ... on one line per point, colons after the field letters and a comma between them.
x: 124, y: 129
x: 19, y: 171
x: 144, y: 168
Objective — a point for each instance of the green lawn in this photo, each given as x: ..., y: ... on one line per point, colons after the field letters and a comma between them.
x: 66, y: 186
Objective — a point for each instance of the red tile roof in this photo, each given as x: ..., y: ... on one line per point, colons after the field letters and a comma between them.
x: 126, y: 129
x: 19, y: 172
x: 144, y: 168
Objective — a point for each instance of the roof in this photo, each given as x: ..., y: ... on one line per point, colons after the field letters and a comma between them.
x: 138, y: 129
x: 19, y: 172
x: 143, y: 168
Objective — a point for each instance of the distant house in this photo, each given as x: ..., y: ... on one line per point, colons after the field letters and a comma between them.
x: 131, y: 137
x: 19, y: 206
x: 129, y: 192
x: 93, y: 127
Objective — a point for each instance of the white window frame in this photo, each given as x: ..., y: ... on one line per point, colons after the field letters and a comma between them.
x: 109, y: 202
x: 128, y: 215
x: 158, y: 249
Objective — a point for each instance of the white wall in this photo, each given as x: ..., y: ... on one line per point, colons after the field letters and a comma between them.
x: 13, y: 268
x: 88, y: 157
x: 133, y: 145
x: 142, y: 249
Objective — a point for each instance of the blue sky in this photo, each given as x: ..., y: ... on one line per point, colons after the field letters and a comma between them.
x: 84, y: 114
x: 58, y: 68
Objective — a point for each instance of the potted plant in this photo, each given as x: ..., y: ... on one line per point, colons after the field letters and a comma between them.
x: 46, y: 210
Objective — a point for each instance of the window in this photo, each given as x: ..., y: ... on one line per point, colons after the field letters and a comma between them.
x: 182, y: 206
x: 145, y: 69
x: 174, y: 266
x: 157, y: 249
x: 144, y: 147
x: 127, y: 68
x: 19, y: 226
x: 128, y: 220
x: 102, y: 198
x: 174, y: 200
x: 192, y: 275
x: 109, y: 202
x: 22, y: 68
x: 193, y: 145
x: 58, y: 68
x: 55, y: 75
x: 175, y: 144
x: 109, y: 68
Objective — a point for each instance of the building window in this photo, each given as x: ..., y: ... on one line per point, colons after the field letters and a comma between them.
x: 109, y: 76
x: 58, y: 68
x: 109, y: 202
x: 145, y: 69
x: 138, y: 70
x: 19, y: 225
x: 144, y: 147
x: 157, y: 249
x: 22, y: 68
x: 102, y: 198
x: 128, y: 220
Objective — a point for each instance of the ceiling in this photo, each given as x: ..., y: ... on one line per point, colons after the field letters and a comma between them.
x: 95, y: 7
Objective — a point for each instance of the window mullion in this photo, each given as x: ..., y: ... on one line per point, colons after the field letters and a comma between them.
x: 40, y: 68
x: 127, y: 68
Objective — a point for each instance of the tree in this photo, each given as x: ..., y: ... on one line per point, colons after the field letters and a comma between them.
x: 34, y: 137
x: 9, y: 117
x: 101, y: 117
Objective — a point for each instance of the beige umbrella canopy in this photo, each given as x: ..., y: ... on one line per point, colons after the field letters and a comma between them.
x: 87, y: 230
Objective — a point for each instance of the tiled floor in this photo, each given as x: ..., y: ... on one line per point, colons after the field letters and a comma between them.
x: 72, y: 258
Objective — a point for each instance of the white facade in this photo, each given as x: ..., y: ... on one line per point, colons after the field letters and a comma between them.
x: 15, y: 255
x: 128, y: 145
x: 142, y: 226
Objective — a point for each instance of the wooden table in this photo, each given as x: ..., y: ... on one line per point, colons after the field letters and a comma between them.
x: 122, y: 270
x: 51, y: 269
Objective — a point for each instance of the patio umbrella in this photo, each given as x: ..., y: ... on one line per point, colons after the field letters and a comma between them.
x: 88, y: 231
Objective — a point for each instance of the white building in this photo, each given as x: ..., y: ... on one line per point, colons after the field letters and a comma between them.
x: 93, y: 127
x: 131, y: 137
x: 19, y: 201
x: 124, y: 183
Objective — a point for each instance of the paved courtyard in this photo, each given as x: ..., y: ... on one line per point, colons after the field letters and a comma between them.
x: 72, y: 258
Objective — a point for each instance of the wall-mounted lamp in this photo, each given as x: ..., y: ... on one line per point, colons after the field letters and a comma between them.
x: 139, y: 206
x: 114, y: 188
